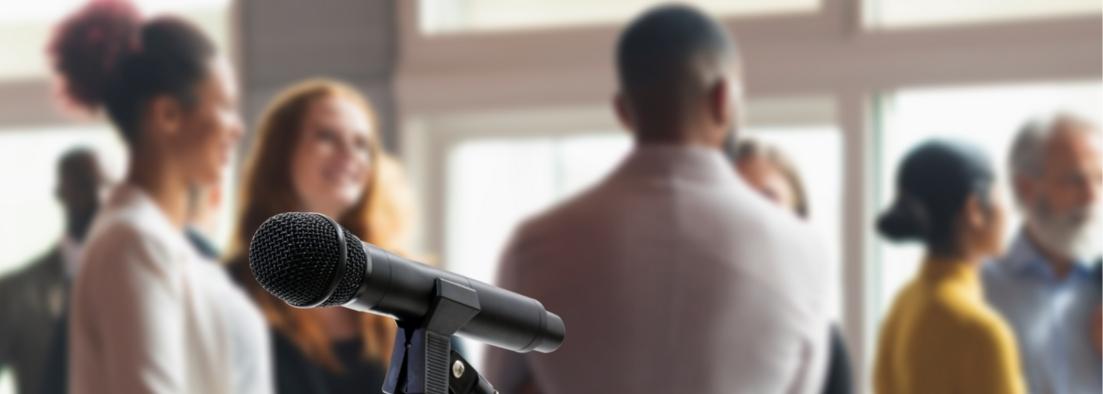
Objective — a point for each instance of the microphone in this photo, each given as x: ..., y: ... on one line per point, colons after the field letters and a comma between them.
x: 308, y: 260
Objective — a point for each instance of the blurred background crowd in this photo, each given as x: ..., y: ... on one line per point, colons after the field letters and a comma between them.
x: 455, y: 120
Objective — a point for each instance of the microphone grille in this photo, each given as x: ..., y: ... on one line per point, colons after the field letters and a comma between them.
x: 294, y: 256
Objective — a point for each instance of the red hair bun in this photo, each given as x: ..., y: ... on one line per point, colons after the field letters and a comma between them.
x: 87, y: 46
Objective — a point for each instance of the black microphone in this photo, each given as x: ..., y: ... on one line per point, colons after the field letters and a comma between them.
x: 308, y: 260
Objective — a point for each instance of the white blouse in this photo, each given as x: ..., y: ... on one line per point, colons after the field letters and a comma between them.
x: 150, y: 315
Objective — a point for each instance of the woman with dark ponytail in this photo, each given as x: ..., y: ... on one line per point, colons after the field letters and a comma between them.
x: 148, y: 313
x: 940, y: 336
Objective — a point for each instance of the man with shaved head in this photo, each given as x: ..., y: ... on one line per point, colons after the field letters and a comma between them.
x: 672, y: 275
x: 679, y: 79
x: 1047, y: 286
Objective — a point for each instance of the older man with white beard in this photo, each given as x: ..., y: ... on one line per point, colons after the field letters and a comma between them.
x: 1048, y: 285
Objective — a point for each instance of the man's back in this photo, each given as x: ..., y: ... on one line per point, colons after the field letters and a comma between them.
x: 672, y: 276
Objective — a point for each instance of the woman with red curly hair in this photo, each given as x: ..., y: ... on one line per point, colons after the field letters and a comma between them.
x: 318, y: 149
x: 148, y: 313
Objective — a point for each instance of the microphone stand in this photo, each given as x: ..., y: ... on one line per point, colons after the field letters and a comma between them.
x: 422, y: 361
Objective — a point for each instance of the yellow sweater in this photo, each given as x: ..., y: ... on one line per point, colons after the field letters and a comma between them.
x: 941, y: 338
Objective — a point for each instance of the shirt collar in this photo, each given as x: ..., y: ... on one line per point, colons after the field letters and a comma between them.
x: 70, y: 255
x: 963, y: 276
x: 1025, y: 258
x: 677, y: 161
x: 134, y: 199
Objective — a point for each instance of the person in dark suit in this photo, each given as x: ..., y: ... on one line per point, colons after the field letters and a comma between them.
x: 32, y: 299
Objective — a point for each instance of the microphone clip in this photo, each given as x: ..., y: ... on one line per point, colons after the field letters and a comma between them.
x: 422, y: 361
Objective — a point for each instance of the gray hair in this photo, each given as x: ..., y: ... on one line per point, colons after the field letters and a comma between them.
x: 1028, y: 151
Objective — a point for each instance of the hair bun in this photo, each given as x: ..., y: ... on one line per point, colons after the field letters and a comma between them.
x: 906, y: 220
x: 88, y: 45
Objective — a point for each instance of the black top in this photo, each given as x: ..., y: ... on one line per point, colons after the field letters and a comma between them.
x: 838, y: 369
x: 295, y: 373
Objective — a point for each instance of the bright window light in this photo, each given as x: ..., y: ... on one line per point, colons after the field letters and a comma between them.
x: 25, y: 29
x: 911, y: 13
x: 441, y: 16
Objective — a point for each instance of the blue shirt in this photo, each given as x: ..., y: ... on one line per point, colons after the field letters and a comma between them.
x: 1051, y: 318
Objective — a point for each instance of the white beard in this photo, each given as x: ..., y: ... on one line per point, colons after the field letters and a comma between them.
x: 1077, y: 235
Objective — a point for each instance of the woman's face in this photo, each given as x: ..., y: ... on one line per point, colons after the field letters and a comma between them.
x: 768, y: 180
x: 331, y: 163
x: 210, y: 129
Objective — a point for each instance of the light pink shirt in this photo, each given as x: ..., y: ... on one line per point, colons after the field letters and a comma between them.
x: 150, y: 315
x: 672, y: 276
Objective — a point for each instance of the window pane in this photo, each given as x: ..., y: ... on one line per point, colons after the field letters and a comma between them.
x: 439, y: 16
x: 988, y: 116
x: 493, y: 184
x: 28, y: 168
x: 25, y: 30
x: 905, y: 13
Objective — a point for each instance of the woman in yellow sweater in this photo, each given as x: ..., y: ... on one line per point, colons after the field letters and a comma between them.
x: 940, y: 336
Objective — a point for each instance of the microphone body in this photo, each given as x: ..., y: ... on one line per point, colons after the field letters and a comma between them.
x: 403, y: 289
x: 308, y: 260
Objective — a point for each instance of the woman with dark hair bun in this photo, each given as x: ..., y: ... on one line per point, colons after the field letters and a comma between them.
x: 940, y: 336
x: 149, y: 314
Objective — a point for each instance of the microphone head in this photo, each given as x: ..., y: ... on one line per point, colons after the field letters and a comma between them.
x: 296, y: 256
